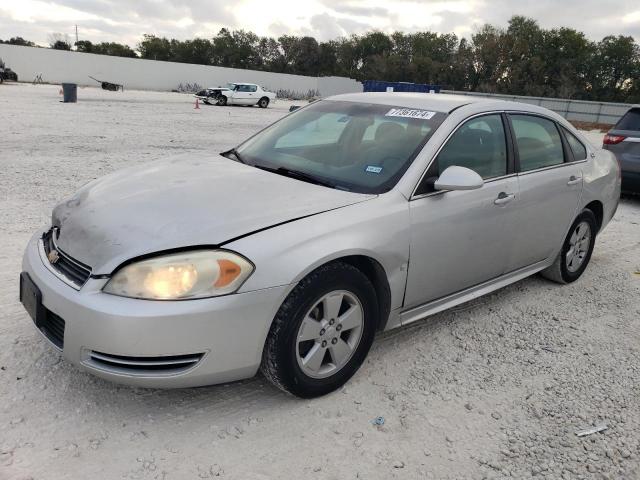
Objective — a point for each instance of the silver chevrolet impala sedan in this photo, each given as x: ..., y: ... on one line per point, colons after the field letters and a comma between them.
x: 353, y: 215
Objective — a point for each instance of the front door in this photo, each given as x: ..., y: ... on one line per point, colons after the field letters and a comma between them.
x: 458, y: 238
x: 243, y: 95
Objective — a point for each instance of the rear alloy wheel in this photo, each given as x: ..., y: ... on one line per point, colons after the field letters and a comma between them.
x: 322, y: 332
x: 576, y: 251
x: 263, y: 102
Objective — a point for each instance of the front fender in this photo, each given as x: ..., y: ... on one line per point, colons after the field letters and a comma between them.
x: 378, y: 229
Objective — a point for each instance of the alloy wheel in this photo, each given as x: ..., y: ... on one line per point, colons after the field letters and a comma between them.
x: 579, y: 243
x: 329, y: 334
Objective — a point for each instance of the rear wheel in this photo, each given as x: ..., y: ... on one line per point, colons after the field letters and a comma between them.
x: 576, y: 250
x: 263, y: 102
x: 322, y: 332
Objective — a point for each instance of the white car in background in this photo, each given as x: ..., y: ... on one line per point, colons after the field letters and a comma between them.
x: 245, y: 94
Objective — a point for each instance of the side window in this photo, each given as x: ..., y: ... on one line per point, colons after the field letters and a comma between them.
x: 577, y: 148
x: 253, y: 88
x: 480, y: 144
x: 538, y: 142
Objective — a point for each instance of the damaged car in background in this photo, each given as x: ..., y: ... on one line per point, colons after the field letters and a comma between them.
x: 6, y: 73
x: 350, y: 216
x: 237, y: 94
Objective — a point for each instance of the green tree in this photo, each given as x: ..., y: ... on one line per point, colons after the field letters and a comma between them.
x: 113, y: 49
x: 488, y: 59
x: 84, y: 46
x: 155, y: 48
x: 237, y: 49
x: 18, y: 41
x: 567, y: 55
x: 523, y: 48
x: 615, y: 68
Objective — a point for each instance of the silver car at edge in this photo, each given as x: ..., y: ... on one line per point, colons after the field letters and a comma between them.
x: 353, y: 215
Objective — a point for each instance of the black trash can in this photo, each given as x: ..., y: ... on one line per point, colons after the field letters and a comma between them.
x: 69, y: 92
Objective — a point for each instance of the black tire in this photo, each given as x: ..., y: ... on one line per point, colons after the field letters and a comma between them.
x: 222, y: 100
x: 558, y: 271
x: 279, y: 358
x: 263, y: 102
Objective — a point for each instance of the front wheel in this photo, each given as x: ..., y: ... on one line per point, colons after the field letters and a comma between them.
x: 263, y: 102
x: 322, y: 332
x: 576, y: 250
x: 222, y: 100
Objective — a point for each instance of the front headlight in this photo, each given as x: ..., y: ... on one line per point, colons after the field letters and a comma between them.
x: 180, y: 276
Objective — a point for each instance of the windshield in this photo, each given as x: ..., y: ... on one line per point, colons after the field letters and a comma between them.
x: 353, y: 146
x: 231, y: 86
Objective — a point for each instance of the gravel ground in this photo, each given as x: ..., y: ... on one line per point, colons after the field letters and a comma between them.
x: 494, y: 388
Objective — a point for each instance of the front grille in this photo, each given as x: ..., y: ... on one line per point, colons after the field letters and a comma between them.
x: 72, y: 270
x: 52, y: 326
x: 148, y: 366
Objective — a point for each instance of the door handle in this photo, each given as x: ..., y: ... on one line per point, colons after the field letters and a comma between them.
x: 573, y: 180
x: 503, y: 198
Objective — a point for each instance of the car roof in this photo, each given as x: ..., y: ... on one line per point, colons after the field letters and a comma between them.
x: 439, y: 102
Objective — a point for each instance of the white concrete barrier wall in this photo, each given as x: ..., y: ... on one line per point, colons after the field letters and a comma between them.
x: 578, y: 110
x: 58, y: 66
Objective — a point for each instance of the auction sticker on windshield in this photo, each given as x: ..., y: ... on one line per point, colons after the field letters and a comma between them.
x: 410, y: 113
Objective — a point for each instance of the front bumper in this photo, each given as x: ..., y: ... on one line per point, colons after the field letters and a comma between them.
x: 225, y: 334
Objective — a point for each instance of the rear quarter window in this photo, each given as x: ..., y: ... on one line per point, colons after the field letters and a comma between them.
x: 630, y: 120
x: 577, y: 147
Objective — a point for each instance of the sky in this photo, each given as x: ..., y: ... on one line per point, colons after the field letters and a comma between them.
x: 125, y: 21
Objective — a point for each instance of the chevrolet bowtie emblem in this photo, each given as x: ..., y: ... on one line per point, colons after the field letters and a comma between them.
x: 53, y: 256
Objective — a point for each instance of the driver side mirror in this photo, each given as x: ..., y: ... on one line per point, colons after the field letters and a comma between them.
x: 458, y: 178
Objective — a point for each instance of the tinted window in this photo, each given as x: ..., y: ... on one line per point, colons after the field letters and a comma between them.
x: 351, y: 145
x: 479, y: 144
x: 630, y: 120
x: 253, y: 88
x: 577, y: 148
x: 538, y: 142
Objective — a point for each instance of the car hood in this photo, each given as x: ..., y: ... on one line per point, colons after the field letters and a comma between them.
x: 181, y: 202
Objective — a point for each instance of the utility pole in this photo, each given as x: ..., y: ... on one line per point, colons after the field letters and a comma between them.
x: 76, y: 35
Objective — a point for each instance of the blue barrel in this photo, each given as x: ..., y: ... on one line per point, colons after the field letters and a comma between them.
x: 380, y: 86
x: 69, y: 92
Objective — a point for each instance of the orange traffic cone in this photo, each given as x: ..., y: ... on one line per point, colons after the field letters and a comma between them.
x: 197, y: 105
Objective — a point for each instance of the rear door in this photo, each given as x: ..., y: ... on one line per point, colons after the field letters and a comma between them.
x: 550, y: 185
x: 624, y: 141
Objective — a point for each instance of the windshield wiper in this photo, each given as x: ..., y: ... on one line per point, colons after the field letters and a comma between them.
x: 235, y: 153
x: 298, y: 175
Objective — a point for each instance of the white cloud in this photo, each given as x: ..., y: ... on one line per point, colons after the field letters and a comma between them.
x: 127, y: 20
